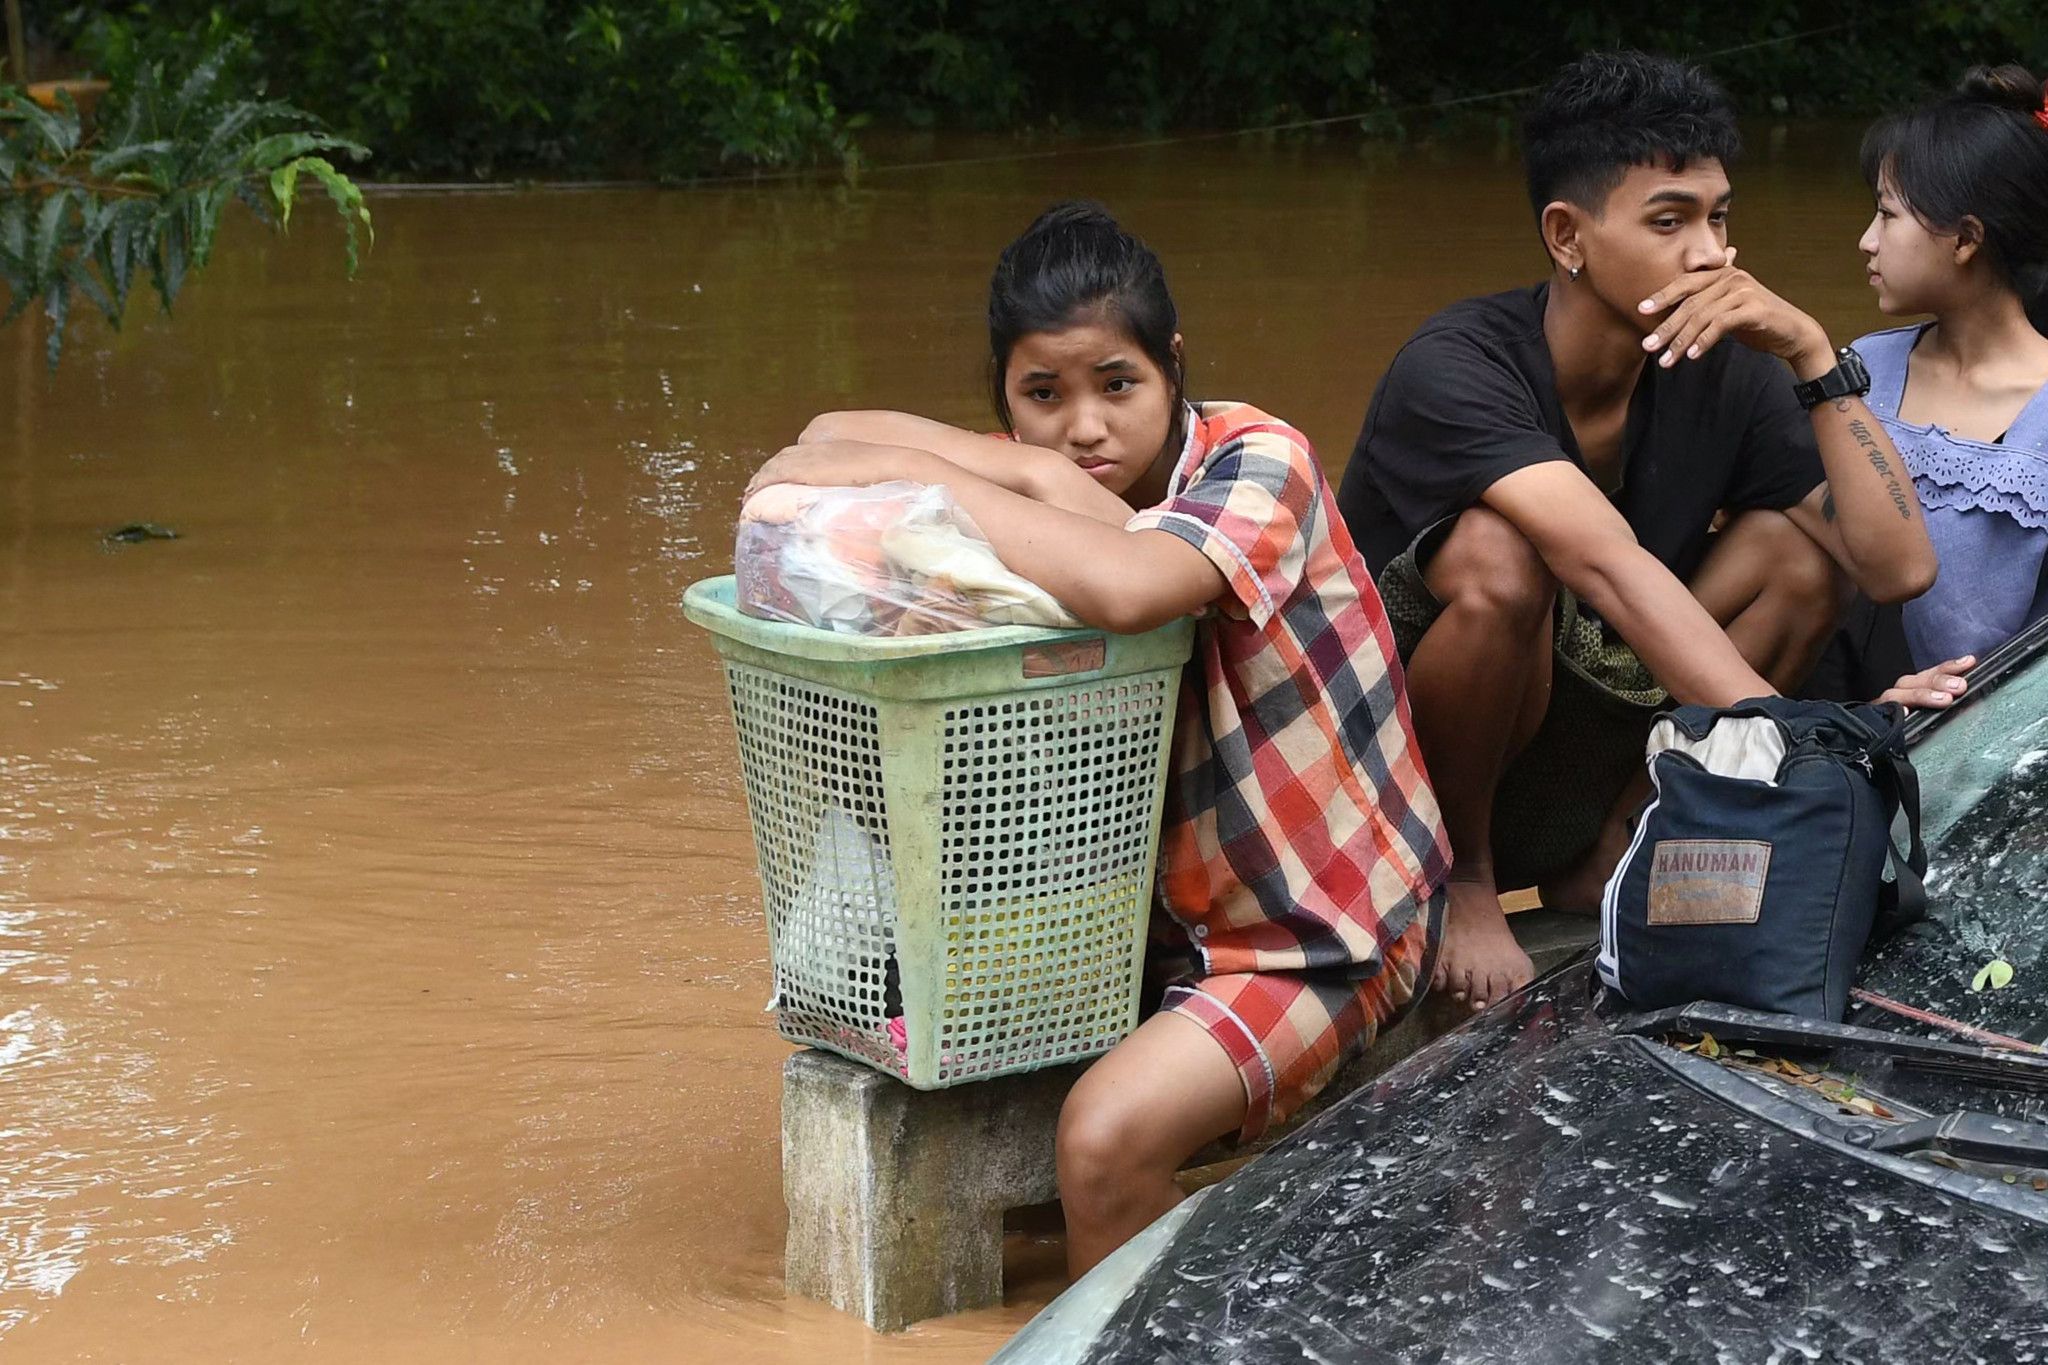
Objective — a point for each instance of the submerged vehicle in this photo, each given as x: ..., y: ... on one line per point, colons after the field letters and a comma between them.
x: 1562, y: 1179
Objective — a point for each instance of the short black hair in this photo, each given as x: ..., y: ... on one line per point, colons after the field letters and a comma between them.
x: 1610, y: 111
x: 1075, y: 263
x: 1980, y: 153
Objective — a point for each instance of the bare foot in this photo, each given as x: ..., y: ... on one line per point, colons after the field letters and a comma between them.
x: 1479, y: 960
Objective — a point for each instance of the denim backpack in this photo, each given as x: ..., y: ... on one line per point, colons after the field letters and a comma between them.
x: 1764, y: 861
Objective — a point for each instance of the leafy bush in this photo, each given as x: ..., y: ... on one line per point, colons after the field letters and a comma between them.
x: 88, y: 215
x: 1218, y: 63
x: 1154, y: 63
x: 472, y: 89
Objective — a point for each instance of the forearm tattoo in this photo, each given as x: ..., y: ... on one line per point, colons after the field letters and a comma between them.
x: 1879, y: 461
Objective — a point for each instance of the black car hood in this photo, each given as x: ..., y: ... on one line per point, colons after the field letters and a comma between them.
x: 1539, y: 1188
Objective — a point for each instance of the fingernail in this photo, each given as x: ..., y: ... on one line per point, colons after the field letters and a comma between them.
x: 1667, y: 360
x: 1692, y: 353
x: 1651, y: 341
x: 1952, y: 684
x: 1647, y: 306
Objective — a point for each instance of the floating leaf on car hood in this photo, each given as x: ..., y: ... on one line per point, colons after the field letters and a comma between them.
x: 1994, y: 975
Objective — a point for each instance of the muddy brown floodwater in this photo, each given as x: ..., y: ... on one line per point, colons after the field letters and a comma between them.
x: 381, y: 963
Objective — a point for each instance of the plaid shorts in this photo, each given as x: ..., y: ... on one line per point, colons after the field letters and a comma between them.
x: 1289, y: 1032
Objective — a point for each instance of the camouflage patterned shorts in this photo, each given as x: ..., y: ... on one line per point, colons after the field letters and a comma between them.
x: 1556, y: 793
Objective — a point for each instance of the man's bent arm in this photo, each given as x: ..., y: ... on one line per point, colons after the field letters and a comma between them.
x: 1866, y: 516
x: 1591, y: 549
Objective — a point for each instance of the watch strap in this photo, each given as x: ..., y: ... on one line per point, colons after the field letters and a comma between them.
x: 1849, y: 377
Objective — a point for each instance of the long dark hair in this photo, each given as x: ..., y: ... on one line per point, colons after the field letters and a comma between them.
x: 1980, y: 153
x: 1075, y: 264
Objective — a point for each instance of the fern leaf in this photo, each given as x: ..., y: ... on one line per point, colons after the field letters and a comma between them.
x: 130, y: 242
x: 78, y: 270
x: 14, y: 229
x: 57, y: 307
x: 50, y: 224
x: 284, y: 187
x: 238, y: 118
x: 47, y: 127
x: 264, y: 210
x: 273, y: 151
x: 196, y: 86
x: 205, y: 213
x: 167, y: 269
x: 348, y: 203
x: 120, y: 158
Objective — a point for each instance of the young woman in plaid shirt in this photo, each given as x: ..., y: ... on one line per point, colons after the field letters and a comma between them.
x: 1303, y: 858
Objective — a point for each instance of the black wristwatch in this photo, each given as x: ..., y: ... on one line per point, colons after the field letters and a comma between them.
x: 1847, y: 378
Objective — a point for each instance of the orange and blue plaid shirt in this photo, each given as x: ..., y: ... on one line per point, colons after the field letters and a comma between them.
x: 1301, y: 831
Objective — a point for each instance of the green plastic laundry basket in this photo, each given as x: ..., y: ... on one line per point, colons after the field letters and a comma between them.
x: 955, y: 831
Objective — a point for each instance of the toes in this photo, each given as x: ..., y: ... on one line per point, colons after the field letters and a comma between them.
x: 1497, y: 986
x: 1488, y: 991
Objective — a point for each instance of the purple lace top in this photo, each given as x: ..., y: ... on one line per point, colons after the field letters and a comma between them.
x: 1987, y: 514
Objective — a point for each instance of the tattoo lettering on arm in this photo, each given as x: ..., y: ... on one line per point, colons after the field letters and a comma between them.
x: 1880, y: 462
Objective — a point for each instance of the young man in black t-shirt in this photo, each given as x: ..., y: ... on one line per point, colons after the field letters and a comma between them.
x: 1540, y: 477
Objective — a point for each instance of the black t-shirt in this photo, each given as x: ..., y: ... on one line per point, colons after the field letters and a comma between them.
x: 1472, y: 397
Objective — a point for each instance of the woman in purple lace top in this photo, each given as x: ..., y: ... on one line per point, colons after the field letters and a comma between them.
x: 1961, y: 233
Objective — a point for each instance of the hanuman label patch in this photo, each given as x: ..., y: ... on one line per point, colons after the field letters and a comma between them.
x: 1708, y: 881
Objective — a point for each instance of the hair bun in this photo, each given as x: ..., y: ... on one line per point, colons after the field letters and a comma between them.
x: 1072, y: 214
x: 2009, y: 87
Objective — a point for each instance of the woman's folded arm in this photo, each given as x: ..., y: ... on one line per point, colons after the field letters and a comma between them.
x: 1111, y: 578
x: 1033, y: 471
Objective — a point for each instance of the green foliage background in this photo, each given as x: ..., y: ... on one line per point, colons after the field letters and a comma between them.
x: 477, y: 89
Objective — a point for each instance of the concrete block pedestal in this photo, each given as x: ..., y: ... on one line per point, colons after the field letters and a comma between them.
x: 896, y: 1196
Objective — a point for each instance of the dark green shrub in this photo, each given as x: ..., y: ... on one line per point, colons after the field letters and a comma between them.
x: 1219, y: 63
x: 1154, y: 63
x: 473, y: 89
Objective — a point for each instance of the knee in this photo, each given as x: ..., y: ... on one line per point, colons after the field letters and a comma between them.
x: 1098, y: 1149
x: 1802, y: 577
x: 1487, y: 565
